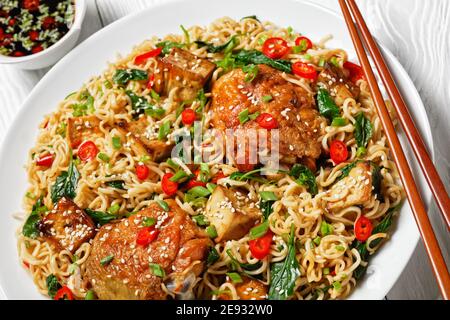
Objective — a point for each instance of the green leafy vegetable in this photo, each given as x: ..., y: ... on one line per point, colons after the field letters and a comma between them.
x: 245, y: 57
x: 251, y: 17
x: 235, y: 264
x: 283, y: 274
x: 52, y: 285
x: 116, y: 184
x: 66, y: 183
x: 140, y: 105
x: 168, y: 45
x: 243, y: 176
x: 30, y: 228
x: 123, y: 76
x: 164, y: 130
x: 213, y: 256
x: 101, y: 217
x: 235, y: 277
x: 226, y: 47
x: 363, y: 130
x: 305, y: 177
x: 326, y: 105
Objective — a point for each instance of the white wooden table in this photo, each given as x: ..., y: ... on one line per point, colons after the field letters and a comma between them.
x: 416, y: 31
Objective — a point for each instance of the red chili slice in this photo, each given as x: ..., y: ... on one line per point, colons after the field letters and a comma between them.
x: 45, y: 161
x: 169, y: 187
x: 260, y: 247
x: 146, y: 236
x: 219, y: 175
x: 18, y: 54
x: 275, y: 48
x: 48, y: 22
x: 338, y: 151
x: 31, y: 5
x: 37, y: 48
x: 142, y: 171
x: 195, y: 182
x: 64, y: 294
x: 188, y: 117
x: 363, y: 228
x: 304, y: 70
x: 87, y: 151
x: 34, y: 35
x: 12, y: 22
x: 356, y: 72
x: 300, y: 41
x: 267, y: 121
x: 145, y: 56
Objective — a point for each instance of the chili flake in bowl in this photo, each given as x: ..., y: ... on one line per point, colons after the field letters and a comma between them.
x: 30, y: 28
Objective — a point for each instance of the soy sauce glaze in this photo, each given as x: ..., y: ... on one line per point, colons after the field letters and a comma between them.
x: 30, y: 26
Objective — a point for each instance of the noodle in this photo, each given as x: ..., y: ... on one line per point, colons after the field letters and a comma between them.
x: 295, y: 205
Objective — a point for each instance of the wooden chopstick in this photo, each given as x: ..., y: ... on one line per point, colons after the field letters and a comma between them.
x: 431, y: 245
x: 434, y: 181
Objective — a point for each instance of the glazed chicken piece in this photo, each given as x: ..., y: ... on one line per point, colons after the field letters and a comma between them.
x: 145, y: 139
x: 354, y: 189
x: 232, y: 218
x: 67, y: 226
x: 299, y: 123
x: 182, y: 69
x: 80, y: 129
x: 337, y: 84
x: 248, y: 289
x: 179, y: 249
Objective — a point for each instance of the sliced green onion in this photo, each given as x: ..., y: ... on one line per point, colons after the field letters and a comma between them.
x: 90, y: 295
x: 157, y: 270
x: 326, y: 271
x: 243, y: 116
x: 117, y: 144
x: 172, y: 163
x: 268, y: 196
x: 164, y: 130
x: 155, y: 95
x: 108, y: 84
x: 267, y: 98
x: 211, y: 231
x: 163, y: 204
x: 144, y: 158
x: 339, y: 248
x: 186, y: 35
x: 200, y: 220
x: 259, y: 231
x: 317, y: 240
x: 361, y: 151
x: 338, y: 122
x: 199, y: 191
x: 251, y: 71
x: 103, y: 156
x: 29, y: 195
x: 155, y: 112
x: 334, y: 61
x: 213, y: 256
x: 253, y: 116
x: 211, y: 187
x: 235, y: 277
x: 204, y: 172
x: 326, y: 229
x: 106, y: 260
x: 321, y: 62
x: 114, y: 209
x: 148, y: 221
x: 337, y: 285
x: 178, y: 176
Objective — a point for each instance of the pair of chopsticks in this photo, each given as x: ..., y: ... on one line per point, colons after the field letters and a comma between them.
x: 437, y: 187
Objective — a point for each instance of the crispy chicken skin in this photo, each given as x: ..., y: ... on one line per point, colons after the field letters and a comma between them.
x: 67, y: 226
x: 180, y: 246
x: 299, y: 122
x: 182, y: 69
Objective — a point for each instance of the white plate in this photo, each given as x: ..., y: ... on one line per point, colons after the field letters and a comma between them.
x: 90, y: 59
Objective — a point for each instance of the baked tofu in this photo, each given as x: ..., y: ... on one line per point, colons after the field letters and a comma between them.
x: 354, y: 189
x: 81, y: 129
x: 183, y: 70
x: 340, y: 88
x: 232, y: 219
x: 145, y: 139
x: 179, y: 248
x: 248, y: 289
x: 67, y: 226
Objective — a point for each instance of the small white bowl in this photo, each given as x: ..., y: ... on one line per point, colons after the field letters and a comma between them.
x: 55, y: 52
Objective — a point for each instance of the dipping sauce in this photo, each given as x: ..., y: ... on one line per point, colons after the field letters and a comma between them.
x: 30, y: 26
